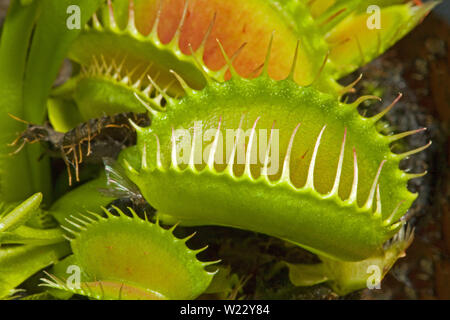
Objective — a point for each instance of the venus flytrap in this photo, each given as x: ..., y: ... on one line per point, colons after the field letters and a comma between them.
x: 124, y: 257
x: 359, y: 31
x: 349, y: 183
x: 357, y: 199
x: 128, y: 40
x: 346, y: 277
x: 14, y: 228
x: 21, y: 214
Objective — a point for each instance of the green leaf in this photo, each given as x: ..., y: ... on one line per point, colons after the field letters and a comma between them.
x: 19, y: 263
x: 15, y: 184
x: 21, y: 213
x: 51, y: 41
x: 27, y: 235
x: 86, y: 197
x: 63, y: 114
x: 305, y: 275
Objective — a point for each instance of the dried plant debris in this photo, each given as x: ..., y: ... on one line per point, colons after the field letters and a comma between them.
x: 89, y: 142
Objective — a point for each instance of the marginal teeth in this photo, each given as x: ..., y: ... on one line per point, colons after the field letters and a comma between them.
x: 154, y: 31
x: 369, y: 201
x: 157, y: 88
x: 264, y: 171
x: 404, y: 134
x: 354, y: 193
x: 144, y: 157
x: 76, y: 225
x: 135, y: 126
x: 85, y: 216
x: 84, y: 223
x: 176, y: 37
x: 137, y: 84
x: 72, y: 232
x: 310, y: 179
x: 364, y: 98
x: 267, y: 60
x: 380, y: 115
x: 96, y: 22
x: 396, y: 225
x: 229, y: 61
x: 192, y: 154
x: 131, y: 18
x: 104, y: 65
x: 294, y: 62
x: 212, y: 154
x: 248, y: 156
x: 285, y: 176
x: 109, y: 70
x: 405, y: 236
x: 350, y: 87
x: 112, y: 20
x: 147, y: 91
x: 377, y: 213
x: 181, y: 81
x: 174, y: 150
x: 201, y: 49
x: 337, y: 180
x: 389, y: 220
x: 409, y: 153
x: 409, y: 176
x: 158, y: 152
x: 198, y: 64
x: 125, y: 80
x: 235, y: 145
